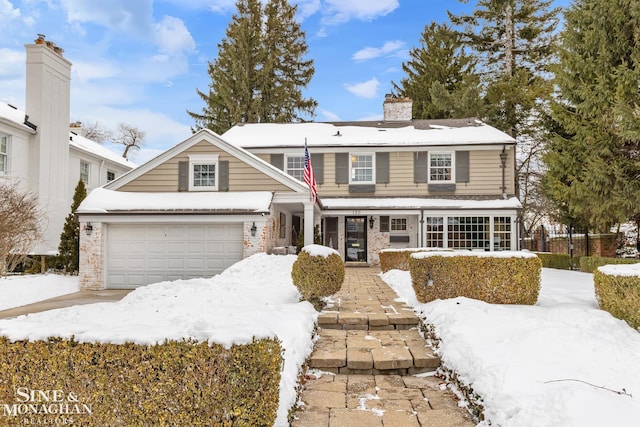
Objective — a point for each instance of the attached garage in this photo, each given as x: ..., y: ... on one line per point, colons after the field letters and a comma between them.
x: 140, y: 254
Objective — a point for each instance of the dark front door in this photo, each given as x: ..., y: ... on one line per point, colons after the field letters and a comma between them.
x: 355, y: 238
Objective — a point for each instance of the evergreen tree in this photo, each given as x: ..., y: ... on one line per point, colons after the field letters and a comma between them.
x: 515, y: 40
x: 440, y: 77
x: 260, y: 70
x: 68, y: 250
x: 594, y: 157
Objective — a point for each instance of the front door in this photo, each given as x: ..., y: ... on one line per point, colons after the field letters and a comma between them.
x: 356, y: 238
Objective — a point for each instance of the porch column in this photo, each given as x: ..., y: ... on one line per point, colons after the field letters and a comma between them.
x: 308, y: 223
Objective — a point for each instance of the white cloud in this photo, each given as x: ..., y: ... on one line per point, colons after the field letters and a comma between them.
x: 375, y: 52
x: 87, y: 71
x: 222, y: 6
x: 341, y: 11
x: 368, y: 89
x: 329, y: 116
x: 133, y: 17
x: 7, y: 11
x: 173, y: 37
x: 12, y: 64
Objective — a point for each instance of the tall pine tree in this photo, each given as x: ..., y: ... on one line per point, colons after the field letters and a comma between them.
x: 260, y: 70
x: 594, y: 157
x: 68, y: 250
x: 440, y: 78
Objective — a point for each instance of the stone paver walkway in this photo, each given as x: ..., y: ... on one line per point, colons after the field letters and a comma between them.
x: 375, y: 364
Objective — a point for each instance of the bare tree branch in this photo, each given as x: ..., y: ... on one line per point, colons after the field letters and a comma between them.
x: 129, y: 136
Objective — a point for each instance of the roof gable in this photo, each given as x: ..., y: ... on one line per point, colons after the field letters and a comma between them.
x: 210, y: 137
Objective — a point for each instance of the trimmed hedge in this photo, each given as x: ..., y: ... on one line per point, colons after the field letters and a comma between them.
x: 619, y: 295
x: 493, y: 279
x: 169, y: 384
x: 317, y: 276
x: 589, y: 264
x: 398, y: 259
x: 559, y: 261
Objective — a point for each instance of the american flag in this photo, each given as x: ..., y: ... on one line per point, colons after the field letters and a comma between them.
x: 309, y: 177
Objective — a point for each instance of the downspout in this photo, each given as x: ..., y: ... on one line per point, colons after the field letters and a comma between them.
x: 503, y: 162
x: 421, y: 237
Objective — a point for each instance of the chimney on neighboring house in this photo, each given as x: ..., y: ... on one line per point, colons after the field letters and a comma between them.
x: 48, y: 107
x: 397, y: 109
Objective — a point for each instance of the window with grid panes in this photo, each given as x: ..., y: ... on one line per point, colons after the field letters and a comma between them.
x: 502, y: 233
x: 4, y: 154
x: 469, y: 232
x: 295, y: 166
x: 362, y: 169
x: 440, y: 167
x: 435, y: 232
x: 398, y: 224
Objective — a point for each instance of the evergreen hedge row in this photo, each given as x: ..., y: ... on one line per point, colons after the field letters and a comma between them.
x: 559, y: 261
x: 398, y: 259
x: 171, y: 384
x: 493, y: 279
x: 619, y: 295
x: 589, y: 264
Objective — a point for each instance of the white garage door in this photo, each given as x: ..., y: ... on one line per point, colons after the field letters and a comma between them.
x: 142, y: 254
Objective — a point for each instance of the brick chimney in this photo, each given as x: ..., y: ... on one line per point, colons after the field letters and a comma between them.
x: 397, y: 109
x: 48, y: 107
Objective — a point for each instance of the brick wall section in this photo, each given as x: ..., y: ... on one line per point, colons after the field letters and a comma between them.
x: 91, y: 258
x: 603, y: 245
x: 262, y: 241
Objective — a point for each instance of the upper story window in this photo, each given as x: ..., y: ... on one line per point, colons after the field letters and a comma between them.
x: 4, y: 154
x: 295, y: 166
x: 203, y: 172
x: 111, y: 176
x: 441, y: 167
x: 362, y: 171
x: 84, y: 172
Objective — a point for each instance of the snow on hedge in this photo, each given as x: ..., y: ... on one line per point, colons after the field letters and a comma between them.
x: 319, y: 250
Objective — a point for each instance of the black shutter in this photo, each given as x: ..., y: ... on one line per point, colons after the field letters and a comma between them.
x: 421, y: 166
x: 462, y: 166
x: 183, y: 176
x: 317, y: 161
x: 382, y: 168
x: 223, y: 175
x: 384, y: 224
x: 277, y: 160
x: 342, y: 168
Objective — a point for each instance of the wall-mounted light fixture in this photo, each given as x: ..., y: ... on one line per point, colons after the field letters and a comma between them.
x: 254, y: 229
x: 371, y: 222
x: 88, y: 229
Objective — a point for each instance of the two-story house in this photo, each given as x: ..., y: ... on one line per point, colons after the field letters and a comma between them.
x: 39, y: 153
x: 212, y: 200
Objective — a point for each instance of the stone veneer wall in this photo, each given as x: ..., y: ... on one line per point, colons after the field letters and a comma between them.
x: 91, y: 257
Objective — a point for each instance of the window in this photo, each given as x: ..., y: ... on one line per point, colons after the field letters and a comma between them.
x: 398, y: 224
x: 362, y: 169
x: 4, y: 154
x: 295, y: 166
x: 440, y: 167
x: 469, y: 232
x: 111, y: 176
x: 84, y: 172
x: 501, y: 233
x: 435, y: 232
x: 203, y: 172
x: 283, y: 225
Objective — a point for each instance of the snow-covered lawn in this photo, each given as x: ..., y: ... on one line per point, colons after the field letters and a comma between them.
x: 562, y: 362
x: 253, y: 298
x: 16, y: 291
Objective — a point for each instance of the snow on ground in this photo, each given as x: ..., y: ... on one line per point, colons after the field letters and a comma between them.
x: 253, y: 298
x: 562, y: 362
x: 16, y: 291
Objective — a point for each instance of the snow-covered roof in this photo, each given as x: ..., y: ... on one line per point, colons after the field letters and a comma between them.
x: 102, y: 200
x: 419, y: 203
x: 264, y: 135
x: 92, y: 147
x: 76, y: 141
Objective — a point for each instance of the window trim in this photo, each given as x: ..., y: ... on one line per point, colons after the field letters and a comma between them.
x: 6, y: 153
x: 373, y: 168
x: 86, y: 182
x: 453, y: 168
x: 398, y: 231
x: 286, y: 165
x: 204, y: 159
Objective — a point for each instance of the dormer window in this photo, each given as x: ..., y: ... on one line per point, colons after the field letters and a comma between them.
x: 203, y: 172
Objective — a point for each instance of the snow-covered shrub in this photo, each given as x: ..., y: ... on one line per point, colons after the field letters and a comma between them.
x: 317, y: 273
x: 560, y: 261
x: 618, y: 291
x: 398, y: 259
x: 493, y: 277
x: 589, y: 264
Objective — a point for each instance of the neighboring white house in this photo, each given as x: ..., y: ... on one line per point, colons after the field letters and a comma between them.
x: 40, y: 154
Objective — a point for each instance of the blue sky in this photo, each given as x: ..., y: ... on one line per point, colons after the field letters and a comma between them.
x: 140, y: 61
